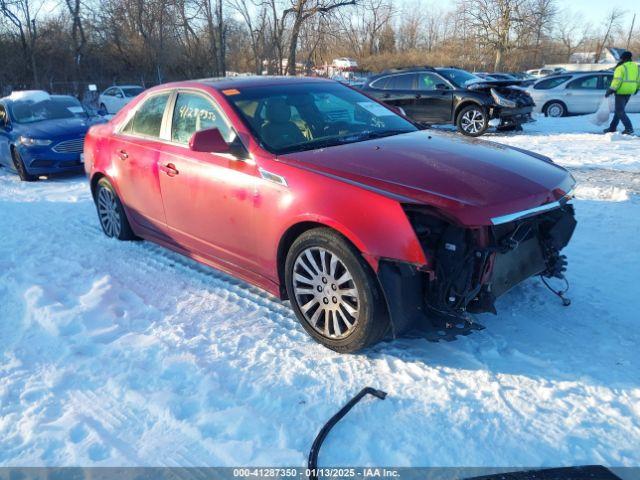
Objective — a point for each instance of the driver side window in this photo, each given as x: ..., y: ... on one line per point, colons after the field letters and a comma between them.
x: 194, y: 112
x: 428, y: 82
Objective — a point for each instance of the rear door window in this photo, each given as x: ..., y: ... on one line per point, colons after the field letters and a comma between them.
x: 147, y: 120
x: 380, y: 83
x: 548, y: 83
x: 401, y: 82
x: 585, y: 83
x: 194, y: 112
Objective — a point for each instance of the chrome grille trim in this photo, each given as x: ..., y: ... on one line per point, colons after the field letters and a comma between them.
x: 532, y: 211
x: 69, y: 146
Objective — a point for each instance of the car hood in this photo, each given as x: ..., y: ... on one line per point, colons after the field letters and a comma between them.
x: 489, y: 84
x: 470, y: 180
x: 65, y: 127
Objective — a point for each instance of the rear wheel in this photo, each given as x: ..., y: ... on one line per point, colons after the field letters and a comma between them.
x: 21, y: 169
x: 334, y: 292
x: 112, y: 218
x: 555, y: 109
x: 472, y: 121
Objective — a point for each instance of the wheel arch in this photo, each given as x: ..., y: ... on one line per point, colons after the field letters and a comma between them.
x: 464, y: 104
x: 295, y: 230
x: 95, y: 178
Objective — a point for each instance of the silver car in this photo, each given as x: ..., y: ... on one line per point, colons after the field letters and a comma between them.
x: 574, y: 93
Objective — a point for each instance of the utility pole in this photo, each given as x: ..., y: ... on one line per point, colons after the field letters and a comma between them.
x: 633, y: 22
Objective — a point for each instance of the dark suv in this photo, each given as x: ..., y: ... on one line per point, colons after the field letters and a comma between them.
x: 451, y: 95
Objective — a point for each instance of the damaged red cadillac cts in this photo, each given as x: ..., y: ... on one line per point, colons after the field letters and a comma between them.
x: 321, y: 195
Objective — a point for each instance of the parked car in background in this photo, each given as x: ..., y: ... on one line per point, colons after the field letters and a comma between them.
x: 41, y: 134
x: 114, y: 98
x: 316, y: 193
x: 574, y: 93
x: 451, y: 95
x: 543, y: 72
x: 494, y: 76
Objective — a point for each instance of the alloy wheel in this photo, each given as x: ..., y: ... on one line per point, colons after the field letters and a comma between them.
x: 108, y: 212
x: 325, y: 292
x: 472, y: 121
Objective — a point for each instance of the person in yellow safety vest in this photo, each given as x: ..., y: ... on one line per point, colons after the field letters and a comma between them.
x: 624, y: 84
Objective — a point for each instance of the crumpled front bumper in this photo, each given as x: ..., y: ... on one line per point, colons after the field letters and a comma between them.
x: 470, y: 269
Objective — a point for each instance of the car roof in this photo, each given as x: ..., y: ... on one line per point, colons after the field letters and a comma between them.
x: 221, y: 83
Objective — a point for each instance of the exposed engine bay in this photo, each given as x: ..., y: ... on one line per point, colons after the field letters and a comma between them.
x: 469, y: 268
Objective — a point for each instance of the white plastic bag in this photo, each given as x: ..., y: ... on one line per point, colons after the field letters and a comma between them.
x: 602, y: 114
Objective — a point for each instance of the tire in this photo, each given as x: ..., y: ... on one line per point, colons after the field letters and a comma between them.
x: 20, y: 168
x: 345, y: 323
x: 472, y: 121
x: 555, y: 109
x: 111, y: 215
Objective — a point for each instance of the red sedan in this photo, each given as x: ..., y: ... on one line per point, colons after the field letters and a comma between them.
x: 321, y: 195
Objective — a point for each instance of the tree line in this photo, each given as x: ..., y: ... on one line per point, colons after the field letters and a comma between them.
x: 66, y: 46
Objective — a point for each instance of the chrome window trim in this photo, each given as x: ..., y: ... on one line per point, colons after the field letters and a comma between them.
x: 510, y: 217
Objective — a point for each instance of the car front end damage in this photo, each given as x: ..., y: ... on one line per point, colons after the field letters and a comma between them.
x: 467, y: 269
x: 512, y: 107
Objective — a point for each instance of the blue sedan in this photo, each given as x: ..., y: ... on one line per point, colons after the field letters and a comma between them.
x: 42, y: 134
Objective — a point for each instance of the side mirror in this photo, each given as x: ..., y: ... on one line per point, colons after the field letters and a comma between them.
x: 102, y: 112
x: 209, y: 140
x: 441, y: 86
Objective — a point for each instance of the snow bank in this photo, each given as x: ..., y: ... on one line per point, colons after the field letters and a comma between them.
x: 610, y: 193
x: 119, y: 353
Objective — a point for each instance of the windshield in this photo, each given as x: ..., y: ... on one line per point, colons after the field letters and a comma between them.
x: 130, y: 92
x: 460, y: 78
x: 25, y: 111
x: 74, y: 106
x: 307, y: 116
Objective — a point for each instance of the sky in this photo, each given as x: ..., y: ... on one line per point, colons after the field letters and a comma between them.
x: 596, y: 11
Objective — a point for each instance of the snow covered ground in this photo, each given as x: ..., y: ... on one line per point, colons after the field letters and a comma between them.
x: 117, y: 353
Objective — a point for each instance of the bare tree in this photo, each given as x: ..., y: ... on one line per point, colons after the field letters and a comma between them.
x: 493, y: 22
x: 301, y: 11
x: 572, y: 32
x: 21, y: 14
x: 611, y: 24
x: 77, y: 32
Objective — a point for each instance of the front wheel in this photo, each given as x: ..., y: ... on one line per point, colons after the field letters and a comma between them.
x: 112, y: 217
x: 334, y: 292
x: 472, y: 121
x: 18, y: 163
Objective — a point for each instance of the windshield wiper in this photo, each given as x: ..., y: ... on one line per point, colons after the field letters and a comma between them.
x: 345, y: 139
x: 380, y: 134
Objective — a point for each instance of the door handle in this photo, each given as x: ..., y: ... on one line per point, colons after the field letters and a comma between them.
x: 386, y: 95
x: 170, y: 169
x: 123, y: 154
